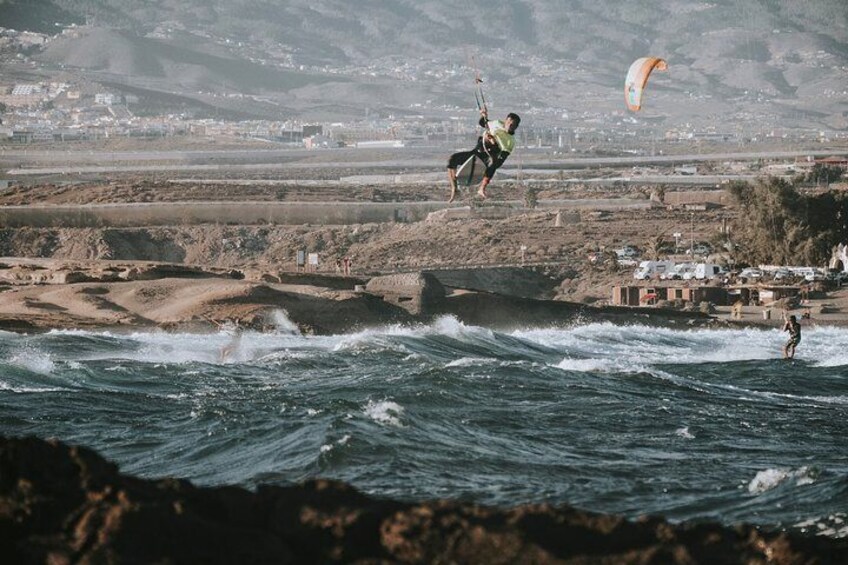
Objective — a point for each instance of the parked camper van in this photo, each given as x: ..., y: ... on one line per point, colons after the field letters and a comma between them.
x: 678, y: 271
x: 708, y: 271
x: 648, y: 269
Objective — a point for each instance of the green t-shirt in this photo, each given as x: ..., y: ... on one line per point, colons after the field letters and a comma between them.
x: 504, y: 139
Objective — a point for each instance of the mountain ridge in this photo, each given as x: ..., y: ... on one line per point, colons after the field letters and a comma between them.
x: 736, y: 54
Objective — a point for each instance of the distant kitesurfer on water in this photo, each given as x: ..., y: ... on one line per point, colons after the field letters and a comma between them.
x: 493, y: 147
x: 794, y: 328
x: 235, y: 331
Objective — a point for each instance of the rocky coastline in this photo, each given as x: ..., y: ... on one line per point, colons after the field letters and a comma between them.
x: 64, y: 504
x: 40, y: 295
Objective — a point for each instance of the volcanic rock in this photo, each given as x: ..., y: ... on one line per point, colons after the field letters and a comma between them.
x: 64, y: 504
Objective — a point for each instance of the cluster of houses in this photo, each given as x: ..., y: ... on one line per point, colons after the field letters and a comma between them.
x: 708, y: 282
x: 725, y: 295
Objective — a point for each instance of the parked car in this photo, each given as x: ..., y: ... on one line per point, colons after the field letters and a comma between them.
x: 839, y: 277
x: 627, y: 251
x: 814, y: 275
x: 750, y: 273
x: 700, y: 249
x: 782, y: 274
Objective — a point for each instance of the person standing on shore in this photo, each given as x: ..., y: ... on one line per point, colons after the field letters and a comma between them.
x: 794, y: 328
x: 493, y: 147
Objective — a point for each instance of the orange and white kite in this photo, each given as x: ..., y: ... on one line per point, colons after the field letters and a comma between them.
x: 637, y: 76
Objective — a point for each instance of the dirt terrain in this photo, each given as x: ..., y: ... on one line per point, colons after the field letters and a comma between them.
x: 380, y: 248
x: 575, y: 247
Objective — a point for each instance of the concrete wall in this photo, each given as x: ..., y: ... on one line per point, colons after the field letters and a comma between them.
x: 679, y: 198
x: 253, y: 213
x: 182, y: 213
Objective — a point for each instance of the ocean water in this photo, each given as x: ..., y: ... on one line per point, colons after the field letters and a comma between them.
x: 689, y: 424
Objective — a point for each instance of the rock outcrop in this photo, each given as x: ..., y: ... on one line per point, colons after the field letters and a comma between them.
x: 61, y: 504
x: 417, y: 293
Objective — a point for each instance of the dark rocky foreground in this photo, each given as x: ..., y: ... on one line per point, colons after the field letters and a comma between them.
x: 62, y: 504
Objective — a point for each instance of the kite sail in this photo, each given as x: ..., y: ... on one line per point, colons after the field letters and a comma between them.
x: 637, y: 76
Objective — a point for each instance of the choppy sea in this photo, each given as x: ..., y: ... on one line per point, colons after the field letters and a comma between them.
x: 688, y: 424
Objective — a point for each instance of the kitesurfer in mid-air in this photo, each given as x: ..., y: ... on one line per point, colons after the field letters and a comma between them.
x: 493, y: 147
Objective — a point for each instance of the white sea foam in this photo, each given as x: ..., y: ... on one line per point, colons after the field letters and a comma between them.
x: 832, y: 526
x: 33, y: 360
x: 684, y: 433
x: 821, y: 346
x: 183, y: 348
x: 601, y: 347
x: 650, y: 345
x: 824, y: 347
x: 771, y: 478
x: 447, y: 326
x: 586, y: 365
x: 841, y: 399
x: 327, y: 447
x: 626, y: 366
x: 282, y: 323
x: 385, y: 412
x: 468, y: 362
x: 288, y: 355
x: 4, y: 386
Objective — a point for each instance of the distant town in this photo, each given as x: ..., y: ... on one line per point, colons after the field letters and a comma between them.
x: 77, y: 109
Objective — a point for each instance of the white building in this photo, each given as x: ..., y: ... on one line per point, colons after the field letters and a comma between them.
x: 106, y: 98
x: 26, y: 89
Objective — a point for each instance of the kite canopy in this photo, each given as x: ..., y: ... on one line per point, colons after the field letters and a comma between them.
x: 637, y: 76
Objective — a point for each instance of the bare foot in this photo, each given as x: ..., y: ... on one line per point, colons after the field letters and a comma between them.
x: 452, y: 196
x: 482, y: 195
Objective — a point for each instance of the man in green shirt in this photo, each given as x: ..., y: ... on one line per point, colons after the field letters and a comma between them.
x: 493, y: 147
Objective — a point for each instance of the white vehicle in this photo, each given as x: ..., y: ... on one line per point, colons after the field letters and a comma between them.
x: 648, y: 269
x: 751, y: 273
x: 678, y: 272
x: 709, y: 271
x: 810, y: 274
x: 704, y: 271
x: 700, y: 249
x: 626, y: 256
x: 627, y: 251
x: 782, y: 274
